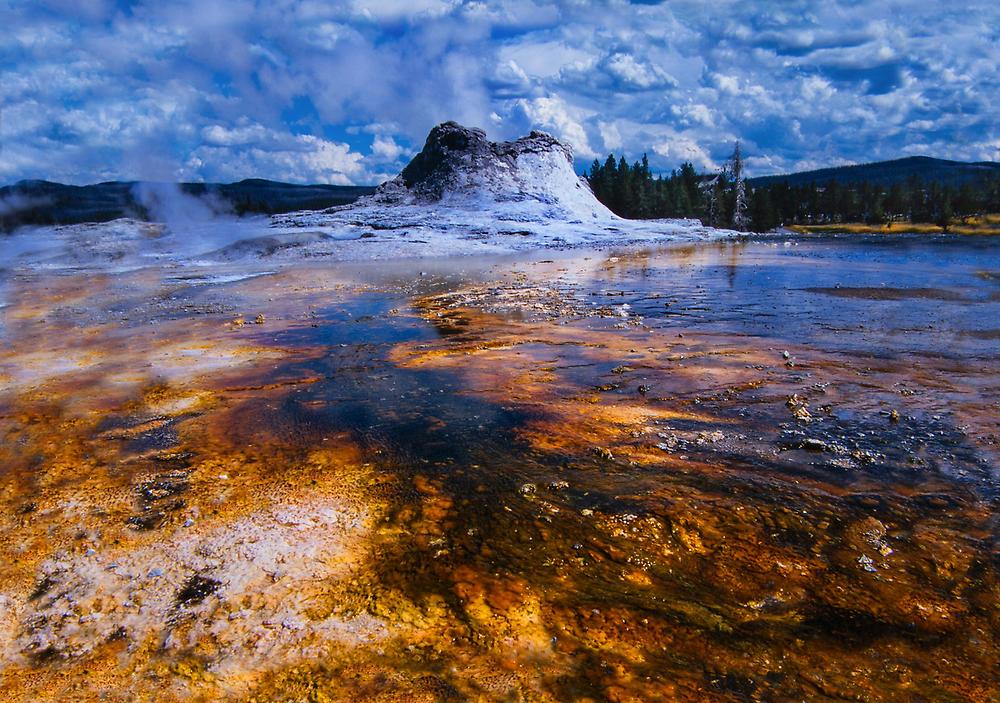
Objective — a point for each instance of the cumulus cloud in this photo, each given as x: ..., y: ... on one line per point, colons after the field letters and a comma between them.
x: 679, y: 148
x: 637, y: 73
x: 564, y: 121
x: 693, y: 115
x: 610, y: 135
x: 344, y: 91
x: 386, y: 148
x: 235, y: 154
x: 615, y: 73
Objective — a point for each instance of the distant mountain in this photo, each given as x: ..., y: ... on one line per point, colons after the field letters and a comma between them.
x: 886, y: 173
x: 43, y: 202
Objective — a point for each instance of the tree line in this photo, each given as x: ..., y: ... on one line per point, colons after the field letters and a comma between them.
x: 726, y: 199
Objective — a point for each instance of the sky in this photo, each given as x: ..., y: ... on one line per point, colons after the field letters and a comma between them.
x: 308, y: 91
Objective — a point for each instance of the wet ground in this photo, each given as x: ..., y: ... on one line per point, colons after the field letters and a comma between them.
x: 758, y: 470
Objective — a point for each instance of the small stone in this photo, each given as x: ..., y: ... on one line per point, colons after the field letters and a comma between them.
x: 259, y: 320
x: 799, y: 408
x: 814, y: 445
x: 867, y: 563
x: 528, y: 489
x: 558, y: 485
x: 894, y: 415
x: 586, y: 512
x: 155, y: 573
x: 604, y: 453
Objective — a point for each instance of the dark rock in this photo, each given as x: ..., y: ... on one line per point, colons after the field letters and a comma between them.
x: 452, y: 152
x: 197, y: 589
x: 460, y: 165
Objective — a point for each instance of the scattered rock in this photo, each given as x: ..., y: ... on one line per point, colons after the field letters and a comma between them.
x: 604, y: 453
x: 197, y: 589
x: 814, y: 445
x: 799, y: 408
x: 706, y: 437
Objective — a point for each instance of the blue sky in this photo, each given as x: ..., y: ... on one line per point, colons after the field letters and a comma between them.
x: 345, y: 92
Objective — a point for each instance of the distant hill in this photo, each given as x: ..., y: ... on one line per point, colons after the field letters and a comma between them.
x: 43, y: 202
x: 887, y: 173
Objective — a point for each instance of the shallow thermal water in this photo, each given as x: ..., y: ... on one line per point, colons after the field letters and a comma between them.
x: 756, y: 470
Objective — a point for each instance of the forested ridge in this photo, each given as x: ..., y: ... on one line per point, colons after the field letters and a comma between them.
x: 727, y: 199
x: 46, y: 203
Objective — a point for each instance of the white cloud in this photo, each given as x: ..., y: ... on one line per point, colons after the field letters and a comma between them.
x: 727, y: 84
x: 295, y: 159
x: 543, y: 59
x: 693, y: 114
x: 386, y: 148
x: 383, y: 10
x: 639, y: 74
x: 511, y: 80
x: 213, y: 88
x: 817, y: 88
x: 679, y: 148
x: 565, y: 122
x: 217, y: 135
x: 610, y: 135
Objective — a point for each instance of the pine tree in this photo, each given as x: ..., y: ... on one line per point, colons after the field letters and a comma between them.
x: 895, y: 203
x: 689, y: 181
x: 965, y: 203
x: 762, y: 217
x: 739, y: 217
x: 596, y: 180
x: 715, y: 200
